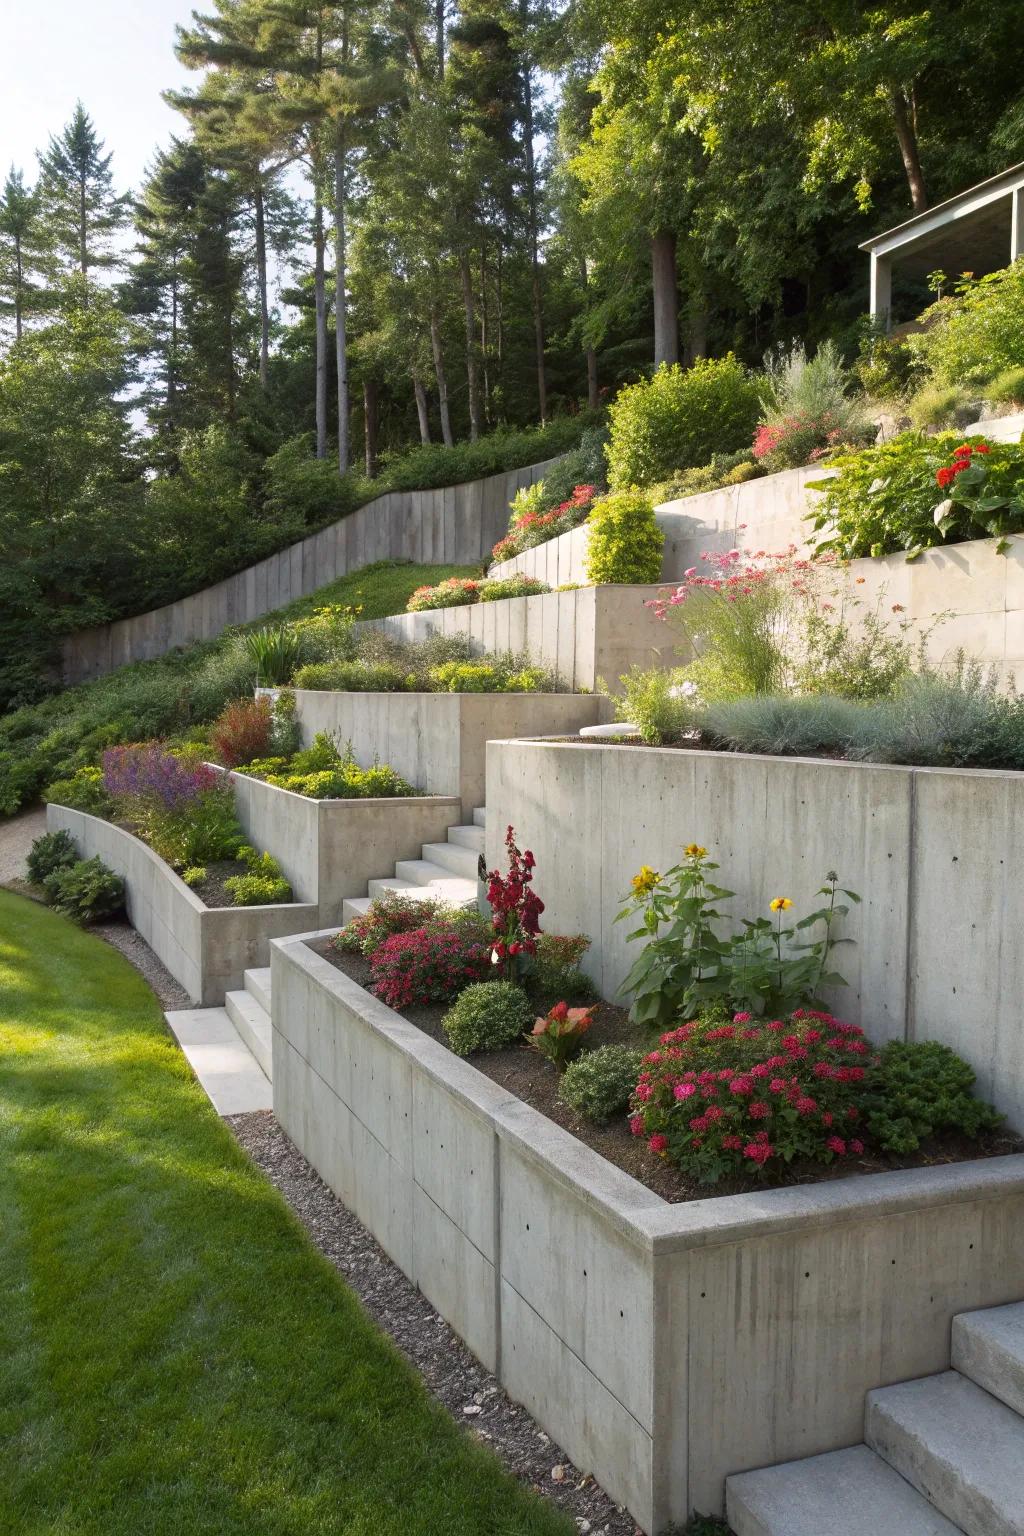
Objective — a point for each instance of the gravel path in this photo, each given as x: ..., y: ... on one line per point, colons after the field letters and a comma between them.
x: 16, y: 838
x: 472, y: 1396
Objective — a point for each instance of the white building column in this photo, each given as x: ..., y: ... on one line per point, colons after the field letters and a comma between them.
x: 1016, y: 223
x: 881, y: 289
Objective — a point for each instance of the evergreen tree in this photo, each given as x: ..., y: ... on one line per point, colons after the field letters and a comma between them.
x: 83, y: 213
x: 23, y: 250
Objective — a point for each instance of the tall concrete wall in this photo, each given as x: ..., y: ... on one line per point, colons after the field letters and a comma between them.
x: 438, y: 741
x: 934, y: 853
x: 206, y: 949
x: 663, y: 1346
x: 453, y: 525
x: 585, y: 635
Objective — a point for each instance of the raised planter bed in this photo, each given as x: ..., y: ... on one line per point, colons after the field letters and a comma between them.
x: 664, y: 1346
x: 933, y: 852
x: 585, y: 635
x: 330, y: 849
x: 438, y: 741
x: 206, y: 949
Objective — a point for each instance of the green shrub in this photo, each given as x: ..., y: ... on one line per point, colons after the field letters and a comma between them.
x: 353, y: 677
x: 626, y: 544
x: 454, y: 592
x: 600, y: 1083
x: 512, y: 586
x: 922, y: 1089
x: 941, y: 405
x: 194, y: 875
x: 388, y: 914
x: 723, y: 469
x: 83, y: 791
x: 678, y: 419
x: 321, y: 772
x: 86, y: 891
x: 1007, y: 388
x: 488, y: 1016
x: 276, y: 653
x: 554, y: 971
x: 976, y: 334
x: 201, y: 831
x: 262, y: 885
x: 52, y: 851
x: 658, y: 701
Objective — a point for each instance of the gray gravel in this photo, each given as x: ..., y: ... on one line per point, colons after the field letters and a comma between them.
x: 122, y: 936
x: 455, y: 1377
x: 16, y: 838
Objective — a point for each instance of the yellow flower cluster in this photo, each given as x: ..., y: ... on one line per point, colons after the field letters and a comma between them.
x: 781, y: 904
x: 645, y: 881
x: 694, y: 851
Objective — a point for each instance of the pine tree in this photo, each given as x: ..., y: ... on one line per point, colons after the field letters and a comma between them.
x: 83, y: 213
x: 23, y: 250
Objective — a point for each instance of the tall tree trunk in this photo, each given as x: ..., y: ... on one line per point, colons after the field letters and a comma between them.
x: 499, y: 305
x: 83, y: 229
x: 19, y: 284
x: 439, y: 42
x: 442, y: 379
x: 484, y: 337
x: 172, y: 353
x: 593, y: 391
x: 469, y: 310
x: 340, y: 298
x: 261, y: 282
x: 371, y: 405
x: 320, y: 290
x: 536, y: 295
x: 421, y: 408
x: 666, y: 298
x: 907, y: 136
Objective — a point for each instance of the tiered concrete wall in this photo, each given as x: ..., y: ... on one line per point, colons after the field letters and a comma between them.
x: 455, y: 525
x: 330, y: 849
x: 438, y: 741
x: 593, y: 633
x: 664, y: 1347
x: 206, y: 949
x: 934, y: 853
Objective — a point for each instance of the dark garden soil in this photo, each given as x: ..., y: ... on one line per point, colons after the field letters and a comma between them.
x: 212, y: 890
x: 534, y: 1080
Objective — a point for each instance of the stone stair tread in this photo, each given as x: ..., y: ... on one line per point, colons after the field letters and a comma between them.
x: 468, y: 837
x: 958, y: 1445
x: 841, y: 1493
x: 988, y: 1346
x: 480, y: 816
x: 252, y: 1022
x: 228, y: 1072
x: 354, y: 906
x: 426, y: 872
x: 452, y: 858
x: 257, y: 983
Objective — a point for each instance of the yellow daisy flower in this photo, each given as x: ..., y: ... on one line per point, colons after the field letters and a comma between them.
x: 694, y: 851
x: 645, y: 881
x: 781, y: 904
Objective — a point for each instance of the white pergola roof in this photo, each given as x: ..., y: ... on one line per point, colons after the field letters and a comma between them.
x: 979, y: 231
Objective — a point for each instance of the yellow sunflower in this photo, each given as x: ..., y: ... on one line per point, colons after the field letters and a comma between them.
x: 781, y: 904
x: 645, y: 881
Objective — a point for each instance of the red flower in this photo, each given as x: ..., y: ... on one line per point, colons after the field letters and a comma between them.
x: 658, y: 1143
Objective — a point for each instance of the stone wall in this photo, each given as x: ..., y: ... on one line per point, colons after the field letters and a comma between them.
x: 455, y: 525
x: 934, y: 853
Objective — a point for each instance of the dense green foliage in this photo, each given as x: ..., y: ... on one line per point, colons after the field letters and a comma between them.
x: 52, y: 851
x: 599, y: 1083
x: 625, y: 542
x: 86, y: 890
x: 155, y: 1284
x: 925, y: 1089
x: 678, y: 419
x: 488, y: 1016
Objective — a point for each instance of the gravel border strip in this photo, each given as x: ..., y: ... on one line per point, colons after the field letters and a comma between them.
x: 452, y: 1374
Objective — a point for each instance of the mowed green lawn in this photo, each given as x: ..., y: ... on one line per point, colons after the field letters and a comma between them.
x: 174, y: 1355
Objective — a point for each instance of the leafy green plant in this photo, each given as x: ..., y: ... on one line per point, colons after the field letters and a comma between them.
x: 262, y: 885
x: 86, y: 891
x: 1007, y: 388
x: 626, y: 543
x: 678, y: 419
x: 659, y: 701
x: 353, y: 677
x: 554, y: 968
x: 488, y: 1016
x: 977, y: 333
x: 52, y: 851
x: 322, y: 772
x: 512, y: 586
x: 194, y: 875
x: 83, y: 791
x: 685, y: 964
x: 722, y: 469
x: 599, y: 1083
x: 806, y: 408
x: 275, y: 653
x: 922, y: 1089
x: 558, y: 1036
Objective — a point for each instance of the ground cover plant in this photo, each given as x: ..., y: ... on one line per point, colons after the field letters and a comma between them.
x: 323, y: 771
x: 152, y: 1375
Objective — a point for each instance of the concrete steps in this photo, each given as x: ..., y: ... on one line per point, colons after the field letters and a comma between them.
x: 446, y: 872
x: 480, y: 816
x: 252, y: 1022
x: 943, y: 1454
x: 227, y: 1070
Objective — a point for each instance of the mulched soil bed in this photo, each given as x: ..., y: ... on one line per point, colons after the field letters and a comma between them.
x: 211, y: 891
x: 532, y: 1079
x: 471, y: 1394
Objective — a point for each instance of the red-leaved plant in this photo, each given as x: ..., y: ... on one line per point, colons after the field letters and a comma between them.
x: 559, y: 1035
x: 725, y: 1098
x: 242, y: 732
x: 515, y: 907
x: 427, y: 965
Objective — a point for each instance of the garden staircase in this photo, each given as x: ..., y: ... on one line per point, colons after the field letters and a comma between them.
x: 447, y: 871
x: 942, y: 1455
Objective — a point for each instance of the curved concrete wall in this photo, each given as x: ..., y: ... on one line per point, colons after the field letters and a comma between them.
x: 638, y: 1333
x: 207, y: 949
x: 453, y: 525
x: 933, y: 852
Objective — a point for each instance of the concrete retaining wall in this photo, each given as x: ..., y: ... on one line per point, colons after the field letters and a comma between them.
x: 454, y: 525
x: 596, y: 632
x: 206, y: 949
x: 664, y: 1347
x: 438, y: 741
x: 934, y: 853
x: 330, y: 849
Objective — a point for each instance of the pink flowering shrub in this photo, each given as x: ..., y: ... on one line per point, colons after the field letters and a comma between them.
x: 428, y: 965
x: 453, y: 593
x: 530, y: 527
x: 737, y: 1097
x: 795, y: 440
